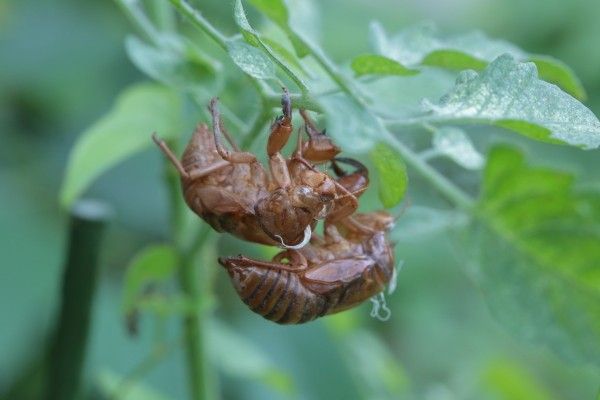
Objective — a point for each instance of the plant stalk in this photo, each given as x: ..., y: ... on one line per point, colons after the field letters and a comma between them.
x: 67, y: 351
x: 331, y: 69
x: 163, y: 15
x: 198, y: 367
x: 452, y: 192
x: 194, y: 334
x: 143, y: 25
x: 259, y: 122
x: 299, y: 101
x: 200, y: 22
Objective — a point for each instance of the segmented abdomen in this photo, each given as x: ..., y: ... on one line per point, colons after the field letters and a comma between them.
x: 278, y: 295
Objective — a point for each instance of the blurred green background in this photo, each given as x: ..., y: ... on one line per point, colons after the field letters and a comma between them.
x: 62, y: 62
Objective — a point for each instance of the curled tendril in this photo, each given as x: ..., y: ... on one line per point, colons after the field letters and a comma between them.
x: 380, y: 309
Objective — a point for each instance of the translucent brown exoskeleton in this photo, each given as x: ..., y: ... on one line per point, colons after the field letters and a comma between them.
x: 231, y: 190
x: 351, y: 263
x: 338, y: 271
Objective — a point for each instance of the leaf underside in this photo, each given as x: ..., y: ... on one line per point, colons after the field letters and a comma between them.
x: 423, y: 45
x: 509, y: 94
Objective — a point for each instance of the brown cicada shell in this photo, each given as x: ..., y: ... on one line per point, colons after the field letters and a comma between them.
x: 232, y: 191
x: 315, y: 275
x: 350, y: 264
x: 329, y: 275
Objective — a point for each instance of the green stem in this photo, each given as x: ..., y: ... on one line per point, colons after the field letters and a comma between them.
x: 163, y: 15
x: 228, y: 114
x: 452, y: 192
x: 139, y: 20
x: 200, y: 22
x: 301, y: 85
x: 198, y: 367
x: 332, y: 70
x: 194, y: 334
x: 156, y: 356
x: 439, y: 181
x: 67, y: 352
x: 298, y: 100
x: 259, y: 122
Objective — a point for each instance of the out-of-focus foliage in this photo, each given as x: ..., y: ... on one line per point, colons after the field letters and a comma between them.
x: 239, y: 357
x: 175, y: 61
x: 374, y: 64
x: 151, y: 266
x: 539, y: 254
x: 122, y: 132
x: 65, y: 62
x: 422, y: 44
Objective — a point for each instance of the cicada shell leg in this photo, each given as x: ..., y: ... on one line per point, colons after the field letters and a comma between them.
x: 192, y: 174
x: 235, y: 156
x: 319, y: 147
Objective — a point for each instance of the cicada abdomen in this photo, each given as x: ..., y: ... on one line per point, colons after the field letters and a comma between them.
x: 276, y: 294
x: 288, y: 294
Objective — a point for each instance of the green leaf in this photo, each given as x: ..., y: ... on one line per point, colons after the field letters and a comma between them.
x: 422, y: 221
x: 413, y: 44
x: 454, y: 60
x: 510, y: 381
x: 235, y: 355
x: 455, y: 144
x: 239, y: 15
x: 402, y: 98
x: 139, y: 110
x: 509, y: 94
x: 162, y: 305
x: 248, y: 56
x: 391, y: 173
x: 110, y: 386
x: 373, y: 64
x: 152, y: 265
x: 559, y: 73
x: 285, y: 54
x: 251, y: 60
x: 276, y: 11
x: 175, y: 62
x: 539, y: 254
x: 423, y: 45
x: 350, y: 123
